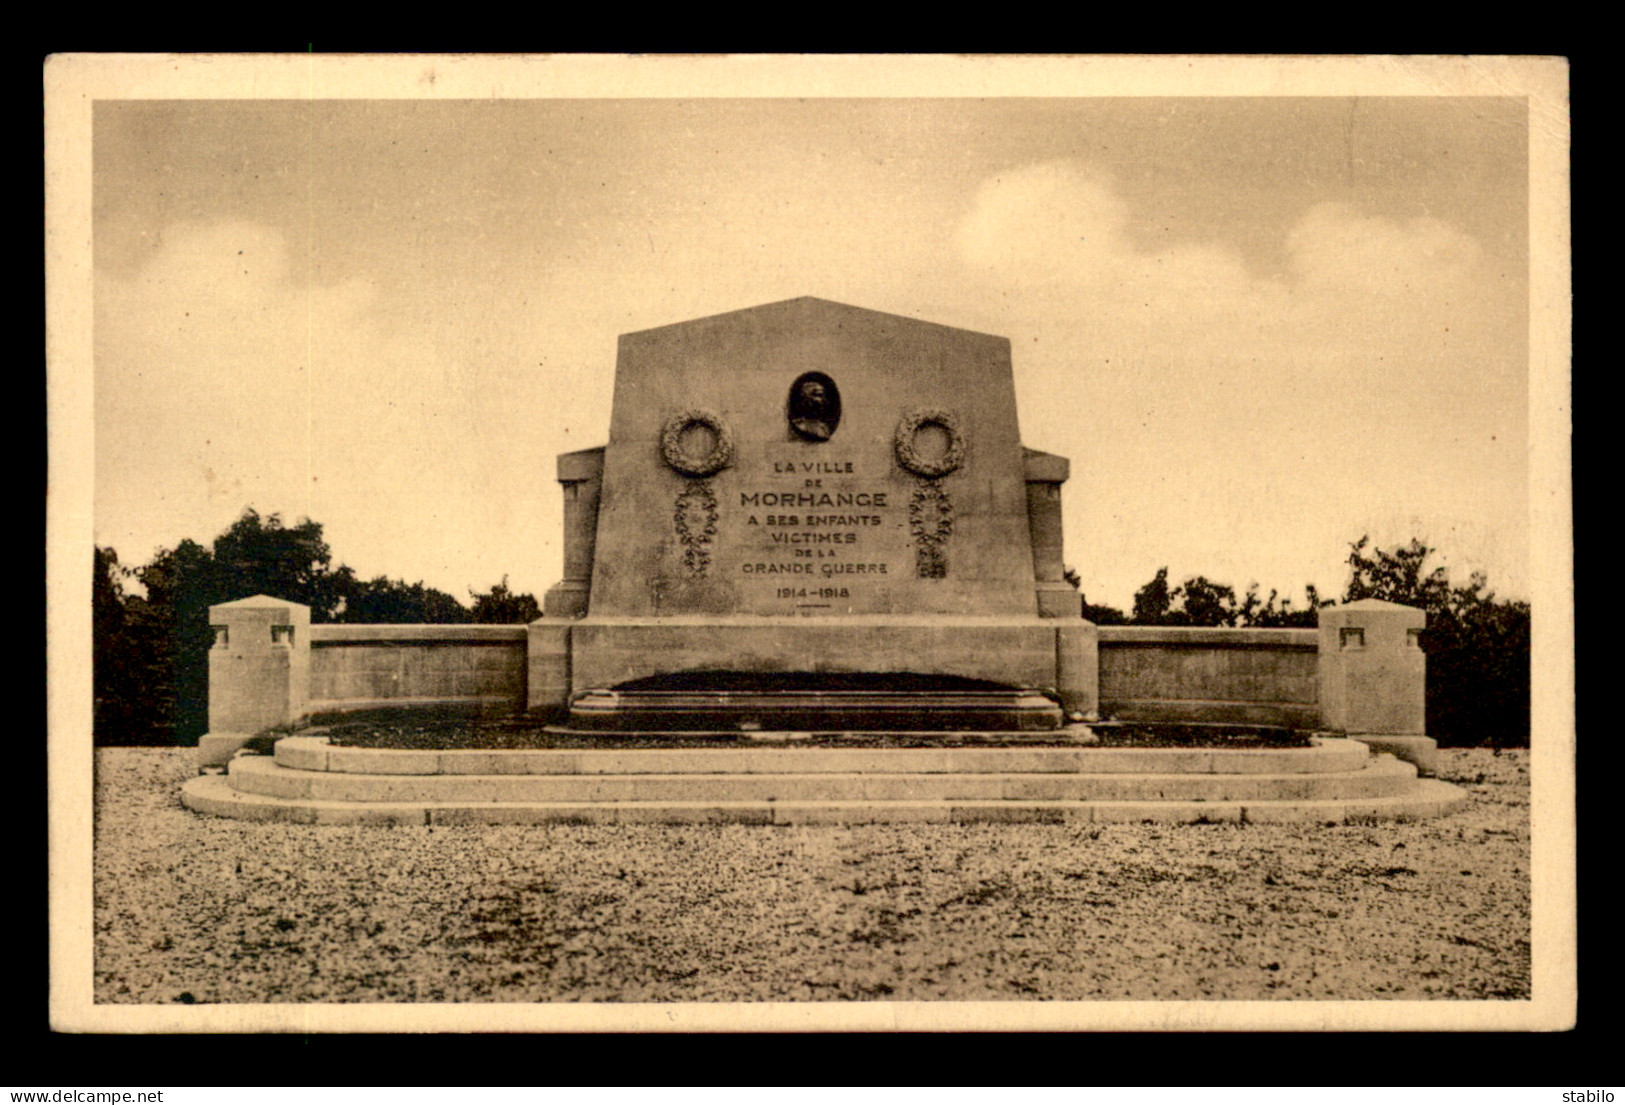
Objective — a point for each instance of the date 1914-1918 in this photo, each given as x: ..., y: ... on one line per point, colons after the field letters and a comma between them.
x: 813, y: 593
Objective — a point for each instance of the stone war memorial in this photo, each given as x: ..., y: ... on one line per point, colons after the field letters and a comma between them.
x: 815, y: 576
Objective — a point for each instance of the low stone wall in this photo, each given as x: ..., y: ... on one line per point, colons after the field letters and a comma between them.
x: 1361, y: 672
x: 354, y: 667
x: 1265, y: 676
x: 1256, y: 676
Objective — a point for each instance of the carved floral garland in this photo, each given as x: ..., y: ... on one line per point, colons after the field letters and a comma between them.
x: 909, y: 457
x: 671, y: 443
x: 931, y: 522
x: 694, y: 516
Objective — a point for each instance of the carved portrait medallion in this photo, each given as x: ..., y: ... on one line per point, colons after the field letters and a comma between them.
x: 814, y: 406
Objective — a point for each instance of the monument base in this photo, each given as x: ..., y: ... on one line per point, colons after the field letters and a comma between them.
x: 566, y: 599
x: 309, y: 781
x: 833, y: 709
x: 1422, y: 752
x: 942, y: 672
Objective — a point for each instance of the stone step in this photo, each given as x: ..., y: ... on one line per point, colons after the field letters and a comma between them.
x: 215, y: 794
x: 941, y: 709
x: 1326, y: 756
x: 1379, y: 776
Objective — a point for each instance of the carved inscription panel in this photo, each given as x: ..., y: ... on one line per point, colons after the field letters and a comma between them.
x: 816, y: 535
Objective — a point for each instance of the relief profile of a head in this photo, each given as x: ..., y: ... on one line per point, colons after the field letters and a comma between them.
x: 814, y: 406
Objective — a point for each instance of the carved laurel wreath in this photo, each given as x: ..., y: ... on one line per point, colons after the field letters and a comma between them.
x: 909, y: 457
x: 671, y: 443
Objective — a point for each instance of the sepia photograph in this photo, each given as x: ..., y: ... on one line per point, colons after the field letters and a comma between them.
x: 802, y: 543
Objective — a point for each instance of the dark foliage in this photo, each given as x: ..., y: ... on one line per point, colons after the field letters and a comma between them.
x: 500, y: 606
x: 1201, y: 602
x: 1265, y: 614
x: 1477, y: 646
x: 261, y: 557
x: 1100, y: 615
x: 167, y: 636
x: 151, y: 654
x: 1154, y: 601
x: 134, y: 695
x: 181, y: 584
x: 395, y: 602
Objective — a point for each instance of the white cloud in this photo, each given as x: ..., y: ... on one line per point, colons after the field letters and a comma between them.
x: 1251, y: 424
x: 1045, y: 223
x: 222, y: 382
x: 1335, y: 248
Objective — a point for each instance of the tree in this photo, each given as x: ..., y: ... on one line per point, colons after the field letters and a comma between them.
x: 1312, y: 597
x: 1255, y: 613
x: 1153, y: 601
x: 1477, y: 647
x: 1099, y: 615
x: 107, y: 595
x: 254, y: 556
x: 181, y: 584
x: 1397, y: 576
x: 1200, y: 601
x: 386, y: 601
x: 1203, y: 602
x: 262, y: 557
x: 151, y: 654
x: 127, y: 675
x: 1104, y: 615
x: 500, y: 606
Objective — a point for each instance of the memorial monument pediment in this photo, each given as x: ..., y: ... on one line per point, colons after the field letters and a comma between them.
x: 808, y: 457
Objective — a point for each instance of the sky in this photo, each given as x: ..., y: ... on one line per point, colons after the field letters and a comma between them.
x: 1260, y: 328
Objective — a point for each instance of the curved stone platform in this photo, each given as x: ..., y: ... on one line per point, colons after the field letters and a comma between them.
x: 309, y: 782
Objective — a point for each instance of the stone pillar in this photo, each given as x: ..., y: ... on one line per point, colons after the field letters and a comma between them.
x: 547, y: 666
x: 1373, y: 677
x: 259, y: 672
x: 582, y: 475
x: 1077, y: 668
x: 1045, y: 474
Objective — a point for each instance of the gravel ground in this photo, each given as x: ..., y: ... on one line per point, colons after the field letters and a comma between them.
x: 198, y: 909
